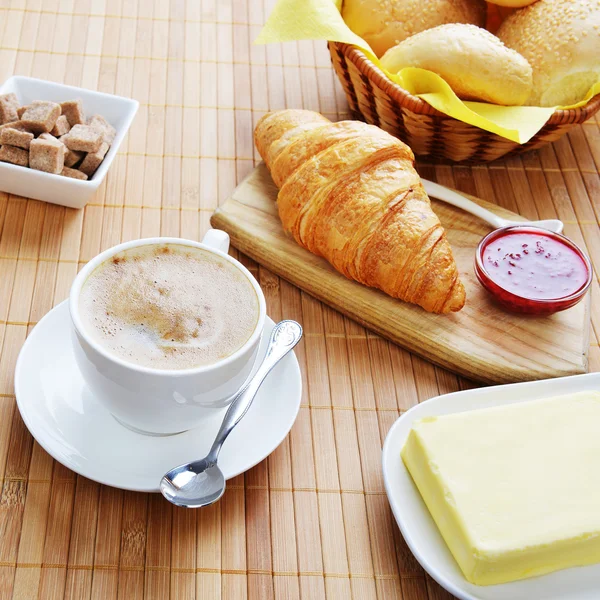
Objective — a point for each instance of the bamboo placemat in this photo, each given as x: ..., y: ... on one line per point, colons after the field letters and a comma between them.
x: 312, y: 521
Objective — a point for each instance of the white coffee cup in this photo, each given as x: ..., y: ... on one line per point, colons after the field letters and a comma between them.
x: 161, y: 401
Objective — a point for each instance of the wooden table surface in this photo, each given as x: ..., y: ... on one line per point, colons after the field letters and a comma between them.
x: 312, y: 521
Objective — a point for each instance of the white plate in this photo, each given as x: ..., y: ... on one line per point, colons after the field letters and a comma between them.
x: 30, y: 183
x: 421, y: 533
x: 64, y: 417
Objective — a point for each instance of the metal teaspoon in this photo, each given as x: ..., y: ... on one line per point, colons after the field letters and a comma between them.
x: 201, y: 482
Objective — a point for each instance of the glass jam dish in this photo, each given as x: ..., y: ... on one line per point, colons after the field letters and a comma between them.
x: 532, y: 270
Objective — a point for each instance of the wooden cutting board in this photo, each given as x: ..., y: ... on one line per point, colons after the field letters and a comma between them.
x: 482, y: 341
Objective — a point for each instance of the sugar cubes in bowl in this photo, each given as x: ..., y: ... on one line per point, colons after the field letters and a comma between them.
x: 57, y: 142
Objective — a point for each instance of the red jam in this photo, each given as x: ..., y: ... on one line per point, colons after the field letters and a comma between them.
x: 532, y: 270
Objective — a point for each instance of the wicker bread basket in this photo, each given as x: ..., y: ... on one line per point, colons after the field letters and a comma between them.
x: 377, y: 100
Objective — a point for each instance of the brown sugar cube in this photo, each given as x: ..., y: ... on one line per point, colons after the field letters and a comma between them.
x: 8, y: 108
x: 83, y: 138
x: 51, y: 138
x: 41, y: 116
x: 21, y: 110
x: 73, y: 157
x: 108, y: 131
x: 14, y: 125
x: 46, y: 155
x: 14, y: 137
x: 16, y: 156
x: 47, y: 136
x: 61, y: 126
x: 93, y: 160
x: 73, y: 110
x: 74, y: 174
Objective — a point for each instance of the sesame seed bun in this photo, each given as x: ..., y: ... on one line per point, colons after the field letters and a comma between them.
x: 474, y: 62
x: 561, y: 41
x: 385, y: 23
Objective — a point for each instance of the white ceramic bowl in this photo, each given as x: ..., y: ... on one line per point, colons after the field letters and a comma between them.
x: 420, y: 531
x: 30, y: 183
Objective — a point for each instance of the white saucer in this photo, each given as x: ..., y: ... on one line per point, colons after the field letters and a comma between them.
x: 68, y: 422
x: 420, y: 531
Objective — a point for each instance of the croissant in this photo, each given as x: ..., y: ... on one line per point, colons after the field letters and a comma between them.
x: 349, y: 192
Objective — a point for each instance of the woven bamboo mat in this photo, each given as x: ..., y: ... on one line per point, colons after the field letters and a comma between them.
x: 311, y: 521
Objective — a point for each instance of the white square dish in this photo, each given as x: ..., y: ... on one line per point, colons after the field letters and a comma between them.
x: 30, y: 183
x: 419, y: 529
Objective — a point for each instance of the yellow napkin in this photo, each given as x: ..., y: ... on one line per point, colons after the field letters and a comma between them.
x: 321, y: 20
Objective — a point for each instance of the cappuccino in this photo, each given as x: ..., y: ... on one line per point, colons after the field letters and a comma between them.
x: 169, y: 306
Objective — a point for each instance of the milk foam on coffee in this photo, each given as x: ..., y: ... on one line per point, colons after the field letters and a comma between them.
x: 169, y: 306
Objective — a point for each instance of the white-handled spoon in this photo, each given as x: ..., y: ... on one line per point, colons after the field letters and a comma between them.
x: 451, y: 197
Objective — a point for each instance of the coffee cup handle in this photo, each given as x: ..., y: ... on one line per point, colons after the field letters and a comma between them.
x: 217, y: 239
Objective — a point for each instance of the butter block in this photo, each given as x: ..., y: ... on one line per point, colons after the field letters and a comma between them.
x: 514, y: 490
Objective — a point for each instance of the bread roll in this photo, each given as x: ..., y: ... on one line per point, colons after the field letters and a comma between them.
x: 385, y: 23
x: 475, y: 63
x: 561, y: 41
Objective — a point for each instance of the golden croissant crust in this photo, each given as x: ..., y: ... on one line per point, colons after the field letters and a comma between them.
x: 349, y: 192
